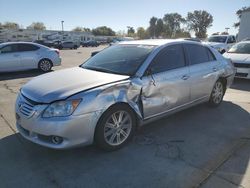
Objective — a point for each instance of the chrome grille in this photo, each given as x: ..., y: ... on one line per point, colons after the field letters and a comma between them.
x: 25, y: 107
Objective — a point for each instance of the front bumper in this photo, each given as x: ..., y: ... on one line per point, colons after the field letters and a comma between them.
x: 74, y: 130
x: 242, y: 73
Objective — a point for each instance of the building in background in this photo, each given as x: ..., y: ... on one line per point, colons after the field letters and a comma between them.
x: 244, y: 31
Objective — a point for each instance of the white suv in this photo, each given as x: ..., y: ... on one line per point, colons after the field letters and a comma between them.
x: 222, y: 43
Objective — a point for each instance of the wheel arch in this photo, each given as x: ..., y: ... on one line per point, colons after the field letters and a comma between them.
x: 224, y: 82
x: 137, y: 116
x: 45, y: 58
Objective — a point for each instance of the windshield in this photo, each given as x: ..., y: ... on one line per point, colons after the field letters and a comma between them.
x: 119, y: 59
x: 240, y: 48
x: 220, y: 39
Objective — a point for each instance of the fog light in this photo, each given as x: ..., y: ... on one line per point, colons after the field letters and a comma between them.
x: 57, y: 139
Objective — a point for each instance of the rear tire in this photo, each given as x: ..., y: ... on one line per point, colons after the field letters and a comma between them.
x: 45, y: 65
x: 115, y: 128
x: 217, y: 94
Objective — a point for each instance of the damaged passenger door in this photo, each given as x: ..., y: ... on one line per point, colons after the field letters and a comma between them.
x: 165, y: 83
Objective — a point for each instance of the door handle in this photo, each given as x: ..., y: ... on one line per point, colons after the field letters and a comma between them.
x: 185, y: 77
x: 214, y: 69
x: 16, y: 55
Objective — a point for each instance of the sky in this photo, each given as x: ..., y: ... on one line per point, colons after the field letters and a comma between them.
x: 117, y: 14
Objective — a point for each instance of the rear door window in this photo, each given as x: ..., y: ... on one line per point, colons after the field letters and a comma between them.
x: 27, y: 47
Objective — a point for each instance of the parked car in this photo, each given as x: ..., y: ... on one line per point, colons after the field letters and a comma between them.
x: 121, y: 87
x: 222, y: 43
x: 193, y: 39
x: 117, y: 40
x: 57, y: 44
x: 45, y: 43
x: 240, y: 56
x: 246, y: 39
x: 68, y: 44
x: 91, y: 43
x: 16, y: 56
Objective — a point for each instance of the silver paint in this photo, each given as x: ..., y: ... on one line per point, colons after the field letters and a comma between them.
x: 150, y: 97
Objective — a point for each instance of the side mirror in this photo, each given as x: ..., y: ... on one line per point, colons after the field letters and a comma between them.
x: 94, y: 53
x: 148, y: 72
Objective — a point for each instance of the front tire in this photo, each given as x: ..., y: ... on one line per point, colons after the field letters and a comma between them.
x: 115, y: 128
x: 45, y: 65
x: 217, y: 94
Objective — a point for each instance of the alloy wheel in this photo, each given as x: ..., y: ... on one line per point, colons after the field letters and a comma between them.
x: 45, y: 65
x: 217, y: 93
x: 117, y: 128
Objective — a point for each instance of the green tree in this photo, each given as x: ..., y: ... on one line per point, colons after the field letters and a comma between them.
x: 224, y: 33
x: 130, y: 31
x: 10, y: 25
x: 199, y: 21
x: 142, y: 33
x: 217, y: 33
x: 173, y: 22
x: 103, y: 31
x: 239, y: 13
x: 159, y: 28
x: 182, y: 34
x: 37, y: 26
x: 152, y: 26
x: 81, y: 29
x: 86, y: 29
x: 78, y: 29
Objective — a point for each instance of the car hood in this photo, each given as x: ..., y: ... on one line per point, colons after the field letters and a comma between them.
x: 238, y: 58
x: 61, y: 84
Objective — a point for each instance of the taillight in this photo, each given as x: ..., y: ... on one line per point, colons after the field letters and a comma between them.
x: 57, y: 51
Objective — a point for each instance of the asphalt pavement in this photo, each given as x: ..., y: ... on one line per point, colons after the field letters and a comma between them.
x: 198, y: 147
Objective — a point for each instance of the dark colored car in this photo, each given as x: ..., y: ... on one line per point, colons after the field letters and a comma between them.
x: 91, y: 43
x: 45, y: 43
x: 193, y: 39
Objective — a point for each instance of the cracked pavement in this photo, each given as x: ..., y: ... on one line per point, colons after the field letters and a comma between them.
x: 198, y: 147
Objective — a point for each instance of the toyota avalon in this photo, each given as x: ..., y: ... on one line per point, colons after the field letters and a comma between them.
x: 122, y: 87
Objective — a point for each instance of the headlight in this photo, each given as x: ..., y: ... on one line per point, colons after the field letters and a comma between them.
x: 61, y: 108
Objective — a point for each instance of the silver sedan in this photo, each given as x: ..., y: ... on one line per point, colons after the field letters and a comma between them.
x: 120, y: 88
x: 17, y: 56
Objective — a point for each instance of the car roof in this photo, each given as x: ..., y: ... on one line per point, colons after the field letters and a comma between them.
x: 221, y: 35
x: 157, y: 42
x: 245, y: 41
x: 36, y: 44
x: 19, y: 43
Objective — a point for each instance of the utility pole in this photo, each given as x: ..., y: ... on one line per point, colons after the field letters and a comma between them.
x: 62, y: 25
